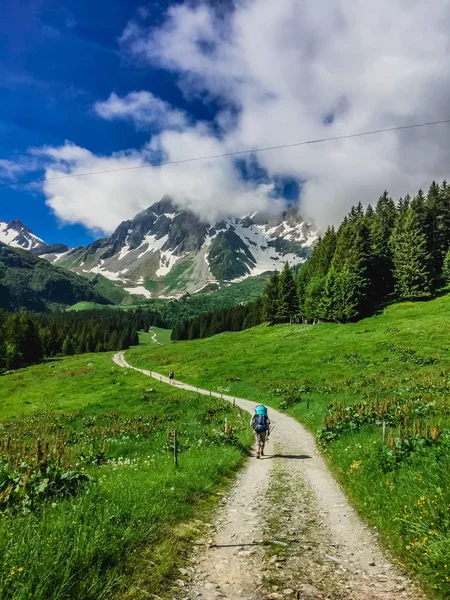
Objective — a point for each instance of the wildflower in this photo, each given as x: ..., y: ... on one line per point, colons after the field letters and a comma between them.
x: 355, y: 466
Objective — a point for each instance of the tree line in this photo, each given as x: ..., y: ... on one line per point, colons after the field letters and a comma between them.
x: 27, y: 338
x: 392, y: 251
x: 236, y: 318
x: 383, y: 253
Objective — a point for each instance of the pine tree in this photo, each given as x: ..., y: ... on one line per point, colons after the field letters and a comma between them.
x: 271, y: 297
x: 380, y: 268
x: 356, y: 213
x: 446, y: 268
x: 328, y: 301
x: 68, y: 347
x: 303, y: 278
x: 13, y: 356
x: 22, y: 335
x: 350, y: 294
x: 287, y: 305
x: 412, y: 261
x: 313, y: 298
x: 437, y: 225
x: 351, y: 264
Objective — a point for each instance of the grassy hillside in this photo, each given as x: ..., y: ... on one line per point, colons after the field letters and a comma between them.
x: 343, y: 381
x: 31, y: 283
x: 93, y: 509
x: 110, y: 290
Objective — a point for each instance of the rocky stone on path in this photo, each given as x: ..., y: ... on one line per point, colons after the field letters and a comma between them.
x: 210, y: 586
x: 333, y: 559
x: 309, y: 591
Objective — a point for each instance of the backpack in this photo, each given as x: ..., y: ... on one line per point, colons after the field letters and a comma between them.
x: 260, y: 423
x: 171, y: 374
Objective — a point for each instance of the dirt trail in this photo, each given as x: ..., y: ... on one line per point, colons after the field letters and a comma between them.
x: 288, y: 496
x: 154, y: 337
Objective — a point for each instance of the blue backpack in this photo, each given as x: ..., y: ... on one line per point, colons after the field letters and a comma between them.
x: 260, y: 423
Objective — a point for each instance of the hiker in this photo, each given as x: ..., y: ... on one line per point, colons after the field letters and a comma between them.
x: 261, y: 426
x: 171, y: 376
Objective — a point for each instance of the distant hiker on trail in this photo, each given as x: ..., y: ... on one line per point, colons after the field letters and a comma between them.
x: 171, y: 376
x: 261, y: 426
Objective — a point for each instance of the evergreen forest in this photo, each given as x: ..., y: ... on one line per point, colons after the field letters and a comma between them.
x: 27, y: 338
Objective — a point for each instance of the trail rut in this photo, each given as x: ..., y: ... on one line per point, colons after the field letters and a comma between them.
x: 329, y: 552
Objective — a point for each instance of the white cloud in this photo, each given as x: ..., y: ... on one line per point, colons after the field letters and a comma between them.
x: 290, y: 71
x: 100, y: 202
x: 11, y: 169
x: 287, y: 65
x: 143, y: 109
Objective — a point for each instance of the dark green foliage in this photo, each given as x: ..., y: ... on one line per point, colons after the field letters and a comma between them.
x: 26, y: 338
x: 287, y: 305
x: 381, y: 223
x: 446, y: 268
x: 236, y: 318
x: 412, y: 261
x: 271, y: 298
x: 26, y: 487
x: 313, y: 298
x: 32, y: 283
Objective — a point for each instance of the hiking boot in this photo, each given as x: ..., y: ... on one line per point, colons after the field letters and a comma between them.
x: 262, y: 452
x: 257, y: 455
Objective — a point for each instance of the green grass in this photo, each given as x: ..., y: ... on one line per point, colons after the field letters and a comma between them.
x: 122, y: 533
x: 79, y: 306
x: 401, y: 357
x: 162, y: 336
x: 110, y: 290
x: 155, y: 337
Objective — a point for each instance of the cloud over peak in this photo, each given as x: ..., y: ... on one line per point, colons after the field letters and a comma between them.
x: 143, y: 109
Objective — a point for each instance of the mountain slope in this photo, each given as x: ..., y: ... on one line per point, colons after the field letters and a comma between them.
x: 167, y: 251
x: 31, y: 283
x: 18, y: 235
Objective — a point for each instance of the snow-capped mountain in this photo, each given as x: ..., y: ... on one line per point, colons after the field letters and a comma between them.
x: 17, y: 235
x: 167, y: 251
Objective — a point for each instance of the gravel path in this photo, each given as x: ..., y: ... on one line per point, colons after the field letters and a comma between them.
x: 289, y: 496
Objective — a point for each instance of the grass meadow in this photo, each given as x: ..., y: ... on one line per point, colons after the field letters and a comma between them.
x: 91, y: 505
x: 344, y: 382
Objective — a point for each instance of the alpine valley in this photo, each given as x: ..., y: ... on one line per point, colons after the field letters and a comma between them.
x: 166, y: 251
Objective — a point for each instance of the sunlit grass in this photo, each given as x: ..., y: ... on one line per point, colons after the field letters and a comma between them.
x: 115, y: 533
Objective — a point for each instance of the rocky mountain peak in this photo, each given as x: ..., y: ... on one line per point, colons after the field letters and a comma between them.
x: 167, y: 251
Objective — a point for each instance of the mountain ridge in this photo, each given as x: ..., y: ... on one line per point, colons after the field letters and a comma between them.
x: 167, y: 251
x: 17, y: 235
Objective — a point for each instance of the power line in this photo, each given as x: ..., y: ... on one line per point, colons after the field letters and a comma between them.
x: 226, y: 154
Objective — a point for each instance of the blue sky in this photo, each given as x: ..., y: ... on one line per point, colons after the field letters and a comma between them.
x: 56, y: 59
x: 94, y: 85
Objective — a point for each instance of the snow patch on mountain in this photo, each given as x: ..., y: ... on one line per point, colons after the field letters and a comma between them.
x: 99, y: 270
x: 16, y: 235
x: 139, y: 291
x: 166, y: 261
